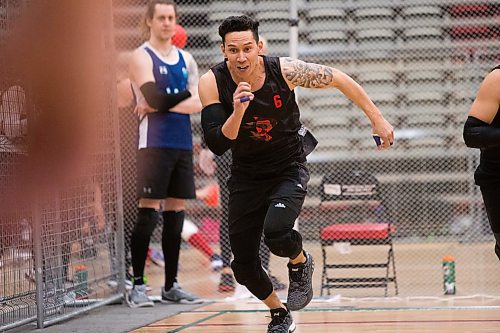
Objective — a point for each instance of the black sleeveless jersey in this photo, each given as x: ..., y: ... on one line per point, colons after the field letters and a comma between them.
x: 268, y: 139
x: 488, y: 171
x: 493, y: 154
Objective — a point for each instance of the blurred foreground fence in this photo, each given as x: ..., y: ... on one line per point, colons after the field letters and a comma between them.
x: 420, y: 61
x: 61, y: 215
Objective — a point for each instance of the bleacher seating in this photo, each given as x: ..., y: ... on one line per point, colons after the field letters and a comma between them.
x: 272, y: 5
x: 421, y: 62
x: 228, y: 6
x: 423, y: 37
x: 378, y: 80
x: 273, y: 25
x: 376, y: 38
x: 469, y: 10
x: 272, y: 21
x: 430, y: 15
x: 430, y: 80
x: 336, y: 39
x: 368, y: 17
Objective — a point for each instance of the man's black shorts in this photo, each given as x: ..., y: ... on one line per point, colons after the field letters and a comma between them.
x: 251, y: 200
x: 165, y: 173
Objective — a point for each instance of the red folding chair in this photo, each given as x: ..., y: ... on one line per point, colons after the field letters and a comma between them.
x: 357, y: 217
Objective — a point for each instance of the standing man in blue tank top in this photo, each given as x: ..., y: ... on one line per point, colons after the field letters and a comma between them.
x: 164, y: 80
x: 250, y: 108
x: 482, y: 130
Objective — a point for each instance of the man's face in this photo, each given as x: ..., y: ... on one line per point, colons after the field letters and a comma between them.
x: 242, y: 52
x: 162, y: 25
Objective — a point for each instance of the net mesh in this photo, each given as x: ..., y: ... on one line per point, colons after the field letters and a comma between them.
x: 59, y: 169
x: 421, y: 63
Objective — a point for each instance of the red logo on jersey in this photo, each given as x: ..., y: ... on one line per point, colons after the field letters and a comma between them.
x: 260, y: 128
x: 277, y: 101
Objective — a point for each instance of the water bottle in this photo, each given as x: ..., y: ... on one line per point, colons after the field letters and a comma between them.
x: 81, y: 276
x: 449, y: 275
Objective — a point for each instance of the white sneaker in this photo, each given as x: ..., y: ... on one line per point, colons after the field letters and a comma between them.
x: 138, y: 298
x: 69, y: 298
x: 240, y: 292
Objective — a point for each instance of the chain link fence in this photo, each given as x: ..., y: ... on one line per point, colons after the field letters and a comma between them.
x: 420, y: 61
x: 60, y: 216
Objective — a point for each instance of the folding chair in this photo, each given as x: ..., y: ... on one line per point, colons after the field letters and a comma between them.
x: 353, y: 203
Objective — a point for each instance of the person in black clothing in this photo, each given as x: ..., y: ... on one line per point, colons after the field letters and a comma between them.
x: 220, y: 166
x: 249, y: 107
x: 482, y: 130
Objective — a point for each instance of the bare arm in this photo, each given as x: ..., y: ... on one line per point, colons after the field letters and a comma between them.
x: 485, y: 106
x: 192, y: 104
x: 141, y: 68
x: 207, y: 89
x: 478, y: 132
x: 310, y: 75
x: 125, y: 96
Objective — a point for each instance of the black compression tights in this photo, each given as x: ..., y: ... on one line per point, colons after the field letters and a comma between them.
x: 491, y: 198
x: 171, y: 244
x: 147, y: 218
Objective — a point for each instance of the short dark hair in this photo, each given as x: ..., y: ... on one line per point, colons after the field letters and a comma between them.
x: 239, y: 23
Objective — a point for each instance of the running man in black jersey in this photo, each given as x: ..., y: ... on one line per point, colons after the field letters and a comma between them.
x: 249, y: 107
x: 482, y: 130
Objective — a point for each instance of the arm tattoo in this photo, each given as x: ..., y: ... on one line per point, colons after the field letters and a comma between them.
x: 307, y: 75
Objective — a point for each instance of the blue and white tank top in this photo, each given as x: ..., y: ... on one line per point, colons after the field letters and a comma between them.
x: 167, y: 129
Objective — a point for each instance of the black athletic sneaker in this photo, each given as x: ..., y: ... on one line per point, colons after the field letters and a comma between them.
x: 300, y: 291
x: 281, y: 321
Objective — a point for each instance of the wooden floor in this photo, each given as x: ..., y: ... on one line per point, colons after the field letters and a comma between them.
x: 373, y: 315
x: 352, y: 311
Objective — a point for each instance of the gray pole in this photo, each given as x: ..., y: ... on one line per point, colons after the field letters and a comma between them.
x: 39, y: 273
x: 294, y: 32
x: 120, y: 233
x: 294, y: 50
x: 294, y: 29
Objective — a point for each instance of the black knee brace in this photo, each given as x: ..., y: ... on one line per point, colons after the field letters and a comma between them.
x: 253, y: 277
x: 147, y: 218
x: 286, y: 244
